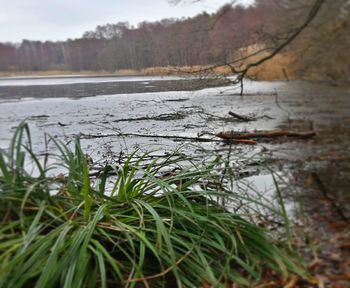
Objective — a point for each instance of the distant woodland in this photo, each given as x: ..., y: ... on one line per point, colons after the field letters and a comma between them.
x: 231, y: 33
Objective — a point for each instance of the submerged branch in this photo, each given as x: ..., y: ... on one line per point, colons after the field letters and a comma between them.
x: 241, y: 117
x: 172, y: 137
x: 231, y: 135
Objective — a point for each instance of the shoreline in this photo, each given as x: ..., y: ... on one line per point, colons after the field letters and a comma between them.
x: 260, y: 74
x: 152, y: 71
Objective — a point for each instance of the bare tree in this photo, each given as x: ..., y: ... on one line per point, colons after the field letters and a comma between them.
x: 241, y: 66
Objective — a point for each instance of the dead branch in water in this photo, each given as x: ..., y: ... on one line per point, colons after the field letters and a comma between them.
x: 172, y: 137
x: 161, y: 117
x: 264, y: 134
x: 241, y: 117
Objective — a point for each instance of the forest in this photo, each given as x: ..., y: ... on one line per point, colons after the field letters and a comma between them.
x: 232, y: 32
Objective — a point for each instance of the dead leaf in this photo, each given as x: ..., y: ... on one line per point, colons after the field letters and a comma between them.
x: 292, y: 282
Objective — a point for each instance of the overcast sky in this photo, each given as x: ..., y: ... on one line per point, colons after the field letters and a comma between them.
x: 63, y: 19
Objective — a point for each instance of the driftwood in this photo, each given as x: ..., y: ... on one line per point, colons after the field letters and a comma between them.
x: 231, y: 137
x: 242, y: 141
x: 173, y: 137
x: 264, y: 134
x: 241, y: 117
x: 62, y: 125
x: 161, y: 117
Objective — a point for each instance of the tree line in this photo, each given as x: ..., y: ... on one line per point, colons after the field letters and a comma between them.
x: 200, y: 40
x: 175, y: 42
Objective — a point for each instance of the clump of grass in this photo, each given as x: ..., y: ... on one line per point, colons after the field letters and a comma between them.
x: 143, y: 231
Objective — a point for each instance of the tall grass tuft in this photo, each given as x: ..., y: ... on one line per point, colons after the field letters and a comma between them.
x: 143, y: 230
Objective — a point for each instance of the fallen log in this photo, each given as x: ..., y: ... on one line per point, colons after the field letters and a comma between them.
x: 172, y: 137
x: 241, y: 141
x: 241, y: 117
x: 231, y: 135
x: 160, y: 117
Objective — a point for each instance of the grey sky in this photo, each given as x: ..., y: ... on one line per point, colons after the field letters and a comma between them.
x: 62, y: 19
